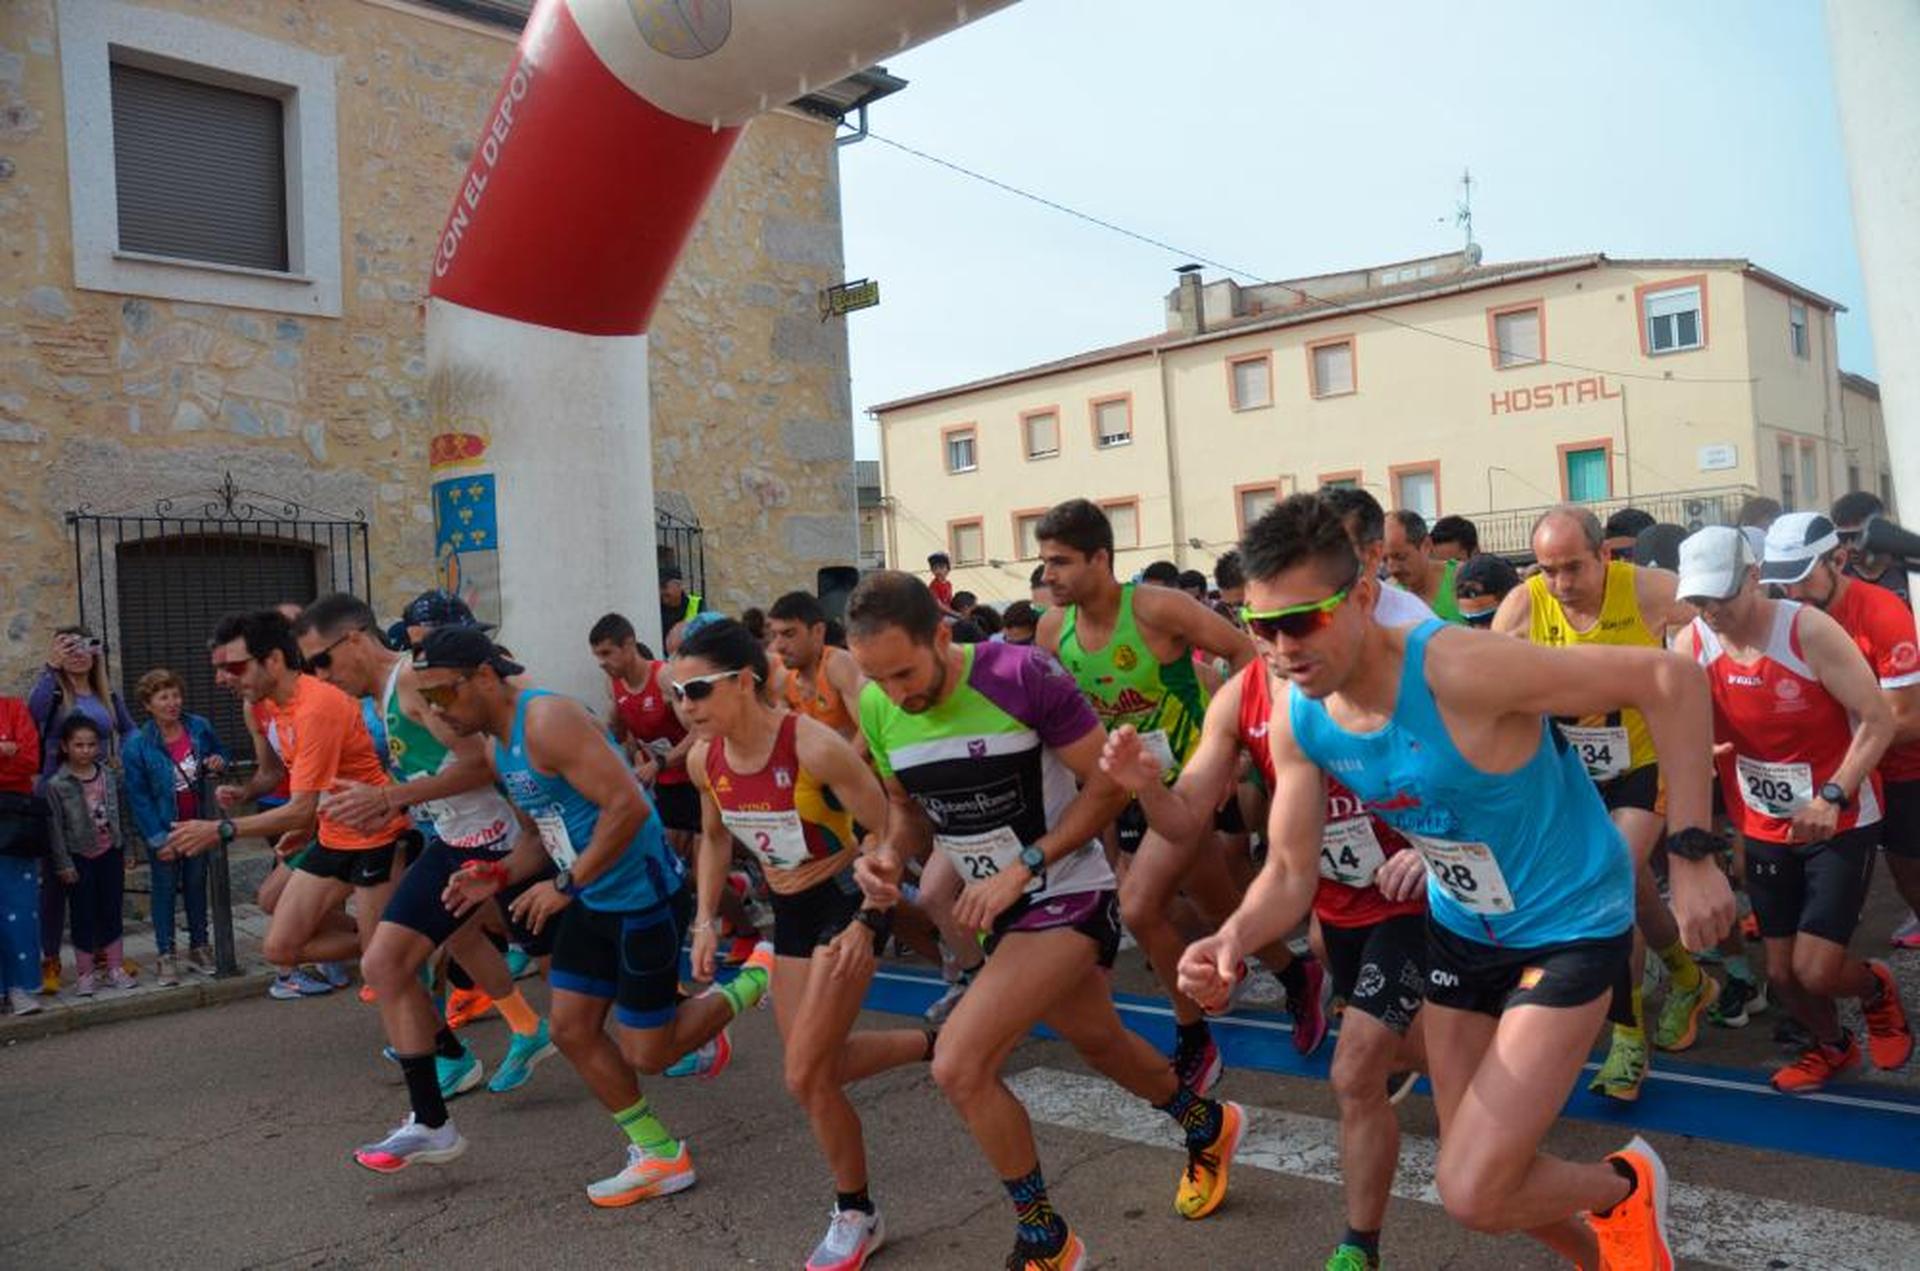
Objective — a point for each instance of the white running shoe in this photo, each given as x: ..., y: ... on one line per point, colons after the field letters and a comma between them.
x: 646, y: 1174
x: 409, y: 1144
x: 22, y: 1002
x: 852, y: 1237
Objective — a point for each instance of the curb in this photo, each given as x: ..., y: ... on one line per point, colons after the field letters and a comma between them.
x: 186, y: 997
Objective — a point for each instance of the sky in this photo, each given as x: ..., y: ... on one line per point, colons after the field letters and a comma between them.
x: 1289, y: 139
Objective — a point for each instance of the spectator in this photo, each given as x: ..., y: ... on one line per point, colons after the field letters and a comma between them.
x: 1194, y: 583
x: 1851, y: 512
x: 1019, y: 623
x: 1232, y: 582
x: 169, y: 765
x: 429, y: 609
x: 1658, y: 546
x: 1622, y: 528
x: 963, y: 603
x: 88, y: 845
x: 1483, y: 581
x: 1039, y: 595
x: 1454, y: 538
x: 74, y: 682
x: 987, y: 618
x: 1758, y: 512
x: 939, y: 564
x: 23, y: 843
x: 677, y: 604
x: 1162, y: 573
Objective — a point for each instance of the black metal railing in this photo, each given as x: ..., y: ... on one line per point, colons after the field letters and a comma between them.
x: 1507, y: 531
x: 680, y: 543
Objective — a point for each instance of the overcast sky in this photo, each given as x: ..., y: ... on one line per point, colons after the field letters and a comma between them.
x: 1291, y: 139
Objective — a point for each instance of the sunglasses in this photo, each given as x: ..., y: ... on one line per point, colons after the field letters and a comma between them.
x: 234, y: 667
x: 700, y: 687
x: 441, y: 696
x: 1296, y: 622
x: 324, y: 659
x: 1849, y: 537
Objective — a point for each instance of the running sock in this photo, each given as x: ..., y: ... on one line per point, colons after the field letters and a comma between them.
x: 1636, y: 1031
x: 1625, y: 1171
x: 1293, y: 978
x: 859, y: 1200
x: 1038, y: 1226
x: 1681, y: 967
x: 643, y: 1129
x: 423, y: 1090
x: 1738, y: 969
x: 1199, y: 1117
x: 447, y: 1046
x: 521, y: 1018
x: 1367, y: 1242
x: 1192, y: 1036
x: 745, y: 989
x: 457, y: 975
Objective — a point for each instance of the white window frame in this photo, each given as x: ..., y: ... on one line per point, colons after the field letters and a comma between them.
x: 1316, y: 388
x: 1104, y: 441
x: 972, y: 436
x: 1699, y: 311
x: 94, y: 34
x: 1799, y: 332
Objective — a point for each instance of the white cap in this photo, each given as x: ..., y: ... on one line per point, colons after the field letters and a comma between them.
x: 1713, y: 563
x: 1796, y: 541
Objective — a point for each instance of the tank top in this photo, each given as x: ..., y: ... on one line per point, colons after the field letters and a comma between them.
x: 787, y: 819
x: 1353, y: 844
x: 1789, y: 734
x: 646, y: 875
x: 1524, y: 859
x: 822, y: 702
x: 649, y: 717
x: 1614, y: 744
x: 473, y: 821
x: 1125, y: 685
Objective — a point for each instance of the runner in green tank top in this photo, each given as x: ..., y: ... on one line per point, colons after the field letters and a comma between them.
x: 1131, y: 649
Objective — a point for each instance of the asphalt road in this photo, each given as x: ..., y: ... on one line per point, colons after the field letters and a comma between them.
x: 221, y: 1138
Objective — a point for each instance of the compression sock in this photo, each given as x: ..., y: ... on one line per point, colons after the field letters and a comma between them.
x: 750, y: 985
x: 643, y: 1129
x: 1681, y: 967
x: 423, y: 1090
x: 446, y: 1045
x: 859, y: 1200
x: 1192, y: 1036
x: 1039, y: 1228
x: 520, y: 1017
x: 1198, y: 1116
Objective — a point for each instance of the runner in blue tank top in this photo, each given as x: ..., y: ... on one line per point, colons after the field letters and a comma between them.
x: 620, y: 899
x: 1443, y: 734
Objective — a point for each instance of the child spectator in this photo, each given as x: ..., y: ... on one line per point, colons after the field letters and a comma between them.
x: 168, y: 762
x: 89, y: 852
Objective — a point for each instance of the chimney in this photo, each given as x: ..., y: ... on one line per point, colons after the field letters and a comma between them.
x: 1189, y: 307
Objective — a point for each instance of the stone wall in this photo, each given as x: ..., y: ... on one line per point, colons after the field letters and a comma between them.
x: 115, y: 401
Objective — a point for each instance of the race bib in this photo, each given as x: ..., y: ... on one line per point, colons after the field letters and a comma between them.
x: 1156, y: 744
x: 776, y: 838
x: 1350, y: 852
x: 980, y: 856
x: 554, y: 837
x: 1605, y: 751
x: 1467, y: 871
x: 1774, y: 789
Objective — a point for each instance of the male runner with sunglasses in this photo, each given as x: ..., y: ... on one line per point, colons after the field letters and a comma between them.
x: 979, y: 747
x: 620, y: 899
x: 1580, y: 597
x: 1444, y: 734
x: 1130, y: 648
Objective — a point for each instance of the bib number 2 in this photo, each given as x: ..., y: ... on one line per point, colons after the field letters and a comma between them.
x: 776, y: 838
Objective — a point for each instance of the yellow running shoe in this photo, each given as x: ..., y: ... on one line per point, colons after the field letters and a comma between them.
x: 1072, y: 1256
x: 1681, y: 1013
x: 1620, y: 1076
x: 1204, y: 1184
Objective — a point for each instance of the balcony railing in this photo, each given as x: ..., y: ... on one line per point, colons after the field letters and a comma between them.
x: 1506, y: 532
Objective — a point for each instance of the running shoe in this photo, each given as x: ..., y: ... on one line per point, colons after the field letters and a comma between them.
x: 21, y: 1002
x: 1351, y: 1258
x: 523, y: 1055
x: 1750, y: 926
x: 335, y: 974
x: 1198, y: 1066
x: 457, y: 1076
x: 411, y: 1143
x: 1071, y: 1257
x: 1255, y: 986
x: 1679, y: 1024
x: 943, y: 1005
x: 1907, y: 934
x: 84, y: 985
x: 1791, y: 1035
x: 1204, y: 1184
x: 1309, y: 1014
x: 49, y: 976
x: 712, y: 1059
x: 520, y: 963
x: 646, y: 1174
x: 852, y: 1237
x: 297, y: 983
x: 1401, y: 1084
x: 1635, y: 1233
x: 1740, y: 1000
x: 367, y: 994
x: 467, y: 1005
x: 1889, y: 1040
x: 165, y: 972
x: 1817, y: 1066
x: 1620, y: 1076
x: 200, y: 959
x: 117, y: 978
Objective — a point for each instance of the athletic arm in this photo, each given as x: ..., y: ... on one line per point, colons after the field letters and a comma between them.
x: 1181, y: 812
x: 1047, y: 634
x: 1904, y: 702
x: 563, y: 738
x: 711, y: 860
x: 1844, y: 672
x: 1178, y: 614
x: 843, y: 673
x: 298, y: 814
x: 470, y: 770
x: 832, y: 760
x: 1515, y: 615
x: 1661, y: 609
x: 268, y: 771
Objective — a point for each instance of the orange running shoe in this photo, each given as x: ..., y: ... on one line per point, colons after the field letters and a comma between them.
x: 1203, y: 1185
x: 1889, y: 1039
x: 1072, y: 1256
x: 646, y: 1174
x: 367, y: 994
x: 1634, y: 1236
x: 1817, y: 1065
x: 467, y: 1005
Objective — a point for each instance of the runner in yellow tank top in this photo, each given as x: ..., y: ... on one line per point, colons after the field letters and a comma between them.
x: 1580, y: 597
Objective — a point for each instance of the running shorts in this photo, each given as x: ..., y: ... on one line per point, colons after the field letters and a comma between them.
x: 678, y: 806
x: 1639, y: 788
x: 534, y: 946
x: 1818, y: 888
x: 805, y: 920
x: 417, y: 904
x: 629, y: 959
x: 1469, y: 976
x: 365, y: 867
x: 1094, y: 914
x: 1900, y: 827
x: 1380, y: 968
x: 1130, y: 826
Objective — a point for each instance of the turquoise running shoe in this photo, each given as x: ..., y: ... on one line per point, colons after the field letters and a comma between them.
x: 523, y: 1053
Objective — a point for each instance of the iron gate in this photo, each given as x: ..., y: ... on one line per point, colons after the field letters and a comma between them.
x: 679, y: 543
x: 152, y: 584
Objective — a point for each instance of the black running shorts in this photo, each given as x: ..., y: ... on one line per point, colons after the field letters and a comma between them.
x: 1469, y: 976
x: 1380, y: 968
x: 629, y: 959
x: 365, y: 867
x: 1818, y: 888
x: 1900, y: 828
x: 805, y: 920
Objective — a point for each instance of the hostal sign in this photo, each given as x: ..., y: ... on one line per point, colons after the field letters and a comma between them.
x: 1547, y: 396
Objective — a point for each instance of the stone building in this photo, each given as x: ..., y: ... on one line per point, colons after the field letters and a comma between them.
x: 142, y: 366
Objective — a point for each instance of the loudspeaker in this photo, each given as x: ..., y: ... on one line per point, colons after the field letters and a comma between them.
x: 1882, y: 537
x: 833, y: 584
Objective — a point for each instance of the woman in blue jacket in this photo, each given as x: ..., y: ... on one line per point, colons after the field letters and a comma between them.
x: 169, y: 763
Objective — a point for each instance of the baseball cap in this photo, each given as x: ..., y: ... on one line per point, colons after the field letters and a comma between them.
x: 1485, y: 575
x: 462, y: 649
x: 441, y: 608
x: 1795, y: 544
x: 671, y: 574
x: 1713, y: 563
x: 1658, y: 546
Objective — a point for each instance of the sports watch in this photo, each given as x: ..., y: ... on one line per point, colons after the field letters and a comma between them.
x: 1833, y: 794
x: 563, y: 883
x: 227, y: 830
x: 1696, y: 844
x: 1034, y: 859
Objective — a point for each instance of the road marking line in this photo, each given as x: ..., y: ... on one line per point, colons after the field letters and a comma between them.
x: 1708, y: 1224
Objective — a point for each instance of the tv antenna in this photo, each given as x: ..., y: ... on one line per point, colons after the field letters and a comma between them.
x: 1463, y: 215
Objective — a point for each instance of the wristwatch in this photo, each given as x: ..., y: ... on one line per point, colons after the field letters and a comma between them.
x: 1695, y: 844
x: 1034, y: 859
x: 227, y: 831
x: 563, y: 883
x: 1833, y: 794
